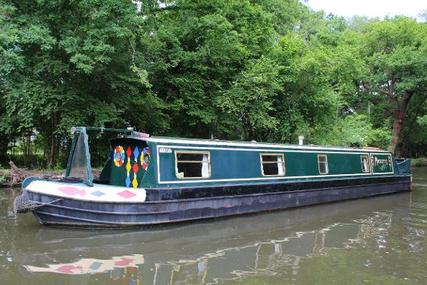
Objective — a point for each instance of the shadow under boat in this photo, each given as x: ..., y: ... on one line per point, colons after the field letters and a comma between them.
x: 210, y: 250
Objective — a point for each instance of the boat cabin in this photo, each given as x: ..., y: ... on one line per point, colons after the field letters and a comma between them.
x: 139, y: 161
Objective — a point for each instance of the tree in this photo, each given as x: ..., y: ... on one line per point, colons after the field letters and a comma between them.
x: 196, y: 50
x: 250, y: 100
x: 10, y: 60
x: 395, y: 52
x: 268, y: 70
x: 79, y: 63
x: 414, y: 131
x: 319, y: 68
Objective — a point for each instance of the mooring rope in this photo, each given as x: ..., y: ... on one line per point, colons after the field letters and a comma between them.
x: 22, y: 204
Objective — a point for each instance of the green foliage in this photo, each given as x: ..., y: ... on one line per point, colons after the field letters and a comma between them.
x: 79, y: 64
x: 395, y: 52
x: 414, y: 133
x: 419, y: 162
x: 422, y: 121
x: 3, y: 179
x: 268, y: 70
x: 197, y: 51
x: 355, y: 131
x: 250, y: 99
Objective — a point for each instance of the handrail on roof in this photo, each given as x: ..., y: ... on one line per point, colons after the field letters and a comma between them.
x: 129, y: 131
x: 101, y: 130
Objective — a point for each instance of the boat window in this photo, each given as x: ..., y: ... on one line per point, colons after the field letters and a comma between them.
x: 192, y: 165
x: 365, y: 163
x: 322, y: 161
x: 273, y: 164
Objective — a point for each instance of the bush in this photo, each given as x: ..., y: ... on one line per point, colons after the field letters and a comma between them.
x: 353, y: 131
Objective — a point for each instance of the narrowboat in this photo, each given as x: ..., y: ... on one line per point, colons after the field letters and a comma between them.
x: 156, y: 180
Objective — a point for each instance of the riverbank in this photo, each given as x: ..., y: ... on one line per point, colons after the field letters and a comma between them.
x: 10, y: 177
x: 419, y: 162
x: 4, y: 176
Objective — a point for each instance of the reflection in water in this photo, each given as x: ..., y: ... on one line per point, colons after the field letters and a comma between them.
x: 377, y: 240
x: 228, y: 263
x: 91, y: 265
x: 219, y: 250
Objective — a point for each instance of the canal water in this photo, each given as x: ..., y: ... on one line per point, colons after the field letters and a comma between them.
x: 379, y: 240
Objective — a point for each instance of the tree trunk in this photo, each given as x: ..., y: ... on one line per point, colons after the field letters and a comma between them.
x: 398, y: 117
x: 52, y: 153
x: 53, y: 143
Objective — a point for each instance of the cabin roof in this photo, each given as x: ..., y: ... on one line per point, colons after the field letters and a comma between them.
x: 132, y: 134
x: 253, y: 144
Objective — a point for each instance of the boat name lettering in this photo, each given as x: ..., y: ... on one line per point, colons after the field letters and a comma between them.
x: 165, y: 150
x: 382, y: 161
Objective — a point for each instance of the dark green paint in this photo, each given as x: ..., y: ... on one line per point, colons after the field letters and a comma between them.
x: 245, y: 164
x: 236, y: 162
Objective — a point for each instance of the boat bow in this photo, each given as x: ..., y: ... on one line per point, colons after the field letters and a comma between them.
x: 39, y: 192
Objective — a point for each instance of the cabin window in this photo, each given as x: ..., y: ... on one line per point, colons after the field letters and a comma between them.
x: 365, y: 163
x: 192, y: 165
x: 272, y: 164
x: 322, y: 161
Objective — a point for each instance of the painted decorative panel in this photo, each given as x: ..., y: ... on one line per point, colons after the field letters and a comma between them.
x: 131, y: 165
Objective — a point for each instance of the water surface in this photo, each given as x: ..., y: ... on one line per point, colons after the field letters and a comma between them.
x: 379, y: 240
